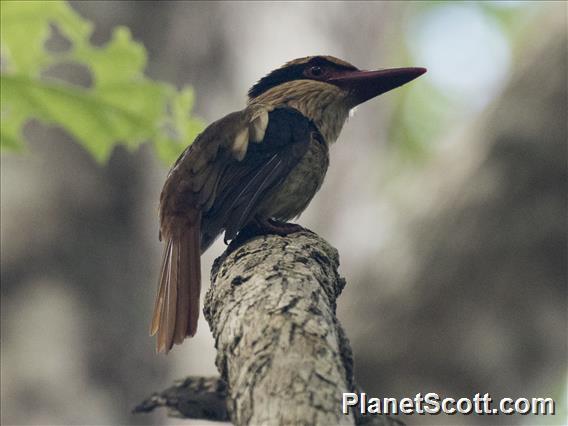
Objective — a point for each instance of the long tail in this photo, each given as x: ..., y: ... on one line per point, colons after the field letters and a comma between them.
x: 176, y: 310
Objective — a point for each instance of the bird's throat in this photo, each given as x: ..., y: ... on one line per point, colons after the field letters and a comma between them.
x: 324, y: 104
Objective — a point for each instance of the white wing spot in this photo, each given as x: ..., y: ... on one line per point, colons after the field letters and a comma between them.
x: 240, y: 144
x: 258, y: 126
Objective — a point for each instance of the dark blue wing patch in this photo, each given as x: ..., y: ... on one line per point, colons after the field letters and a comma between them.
x: 243, y: 185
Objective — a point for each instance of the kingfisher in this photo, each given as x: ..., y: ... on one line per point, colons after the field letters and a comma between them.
x: 258, y: 167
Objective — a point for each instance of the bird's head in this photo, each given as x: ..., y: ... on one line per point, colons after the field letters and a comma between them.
x: 325, y: 89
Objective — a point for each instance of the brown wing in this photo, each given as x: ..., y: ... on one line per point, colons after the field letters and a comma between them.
x: 189, y: 187
x: 216, y: 184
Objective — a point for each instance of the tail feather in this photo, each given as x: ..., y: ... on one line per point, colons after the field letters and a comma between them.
x: 194, y: 272
x: 182, y: 302
x: 176, y: 310
x: 159, y: 303
x: 168, y: 316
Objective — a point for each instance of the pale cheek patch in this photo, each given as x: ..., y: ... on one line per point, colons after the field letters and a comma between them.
x: 240, y: 144
x: 258, y: 126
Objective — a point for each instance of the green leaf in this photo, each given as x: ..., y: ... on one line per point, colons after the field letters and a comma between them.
x: 121, y: 106
x: 96, y: 118
x: 10, y: 130
x: 24, y: 26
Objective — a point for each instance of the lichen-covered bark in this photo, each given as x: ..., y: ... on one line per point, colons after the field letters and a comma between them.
x: 283, y: 356
x: 271, y: 308
x: 191, y: 398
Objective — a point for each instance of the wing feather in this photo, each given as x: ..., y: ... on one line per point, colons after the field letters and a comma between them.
x: 243, y: 184
x: 241, y: 214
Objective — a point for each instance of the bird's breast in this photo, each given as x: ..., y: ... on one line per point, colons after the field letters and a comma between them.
x: 293, y: 195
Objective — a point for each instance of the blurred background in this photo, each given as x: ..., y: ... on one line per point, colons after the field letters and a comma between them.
x: 446, y: 200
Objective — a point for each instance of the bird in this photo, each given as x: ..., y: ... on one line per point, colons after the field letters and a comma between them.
x: 258, y: 167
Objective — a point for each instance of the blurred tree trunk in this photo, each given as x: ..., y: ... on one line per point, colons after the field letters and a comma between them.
x: 486, y: 299
x: 93, y: 234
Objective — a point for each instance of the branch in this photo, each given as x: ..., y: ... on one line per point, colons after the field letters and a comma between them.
x: 281, y: 351
x: 271, y: 310
x: 192, y: 398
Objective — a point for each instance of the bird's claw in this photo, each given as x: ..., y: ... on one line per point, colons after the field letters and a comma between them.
x: 271, y: 226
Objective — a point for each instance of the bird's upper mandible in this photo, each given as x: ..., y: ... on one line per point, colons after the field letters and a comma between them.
x: 325, y: 89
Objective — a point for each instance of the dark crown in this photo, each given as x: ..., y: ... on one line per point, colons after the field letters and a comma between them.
x: 295, y: 70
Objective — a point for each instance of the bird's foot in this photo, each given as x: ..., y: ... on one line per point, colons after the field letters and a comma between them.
x: 271, y: 226
x: 261, y: 227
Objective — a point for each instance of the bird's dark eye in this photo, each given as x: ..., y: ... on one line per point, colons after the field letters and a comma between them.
x: 315, y: 71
